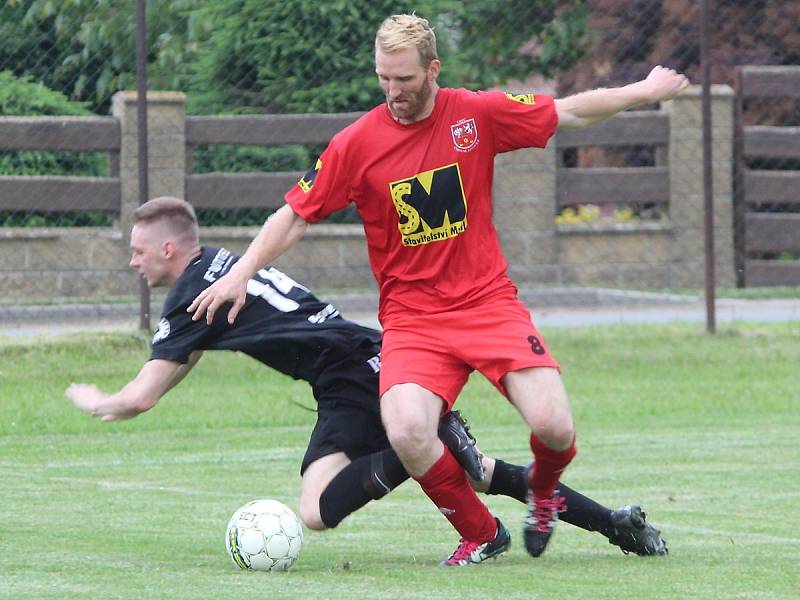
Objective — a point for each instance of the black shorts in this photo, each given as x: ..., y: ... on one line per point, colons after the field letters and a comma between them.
x: 344, y: 428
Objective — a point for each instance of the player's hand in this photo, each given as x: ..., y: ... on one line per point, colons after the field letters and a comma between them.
x: 86, y: 396
x: 229, y: 288
x: 90, y: 399
x: 664, y: 83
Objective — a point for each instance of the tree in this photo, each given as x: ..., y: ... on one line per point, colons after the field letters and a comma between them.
x: 307, y: 56
x: 87, y: 50
x: 289, y: 55
x: 492, y: 41
x: 19, y: 96
x: 275, y: 55
x: 629, y: 38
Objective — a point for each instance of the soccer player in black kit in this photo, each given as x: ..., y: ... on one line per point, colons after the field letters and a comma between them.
x: 349, y: 460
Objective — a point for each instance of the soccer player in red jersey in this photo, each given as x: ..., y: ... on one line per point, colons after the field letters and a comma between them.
x: 349, y: 461
x: 419, y: 170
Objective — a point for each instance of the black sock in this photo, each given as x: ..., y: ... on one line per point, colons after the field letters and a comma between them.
x: 366, y: 478
x: 509, y: 480
x: 584, y: 512
x: 512, y: 481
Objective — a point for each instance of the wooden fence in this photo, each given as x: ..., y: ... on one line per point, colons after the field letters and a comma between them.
x: 767, y: 201
x: 632, y: 186
x: 529, y: 191
x: 253, y: 190
x: 58, y: 194
x: 624, y: 185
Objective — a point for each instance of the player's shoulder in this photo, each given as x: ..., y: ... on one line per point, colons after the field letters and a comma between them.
x: 366, y: 123
x: 460, y: 99
x: 356, y: 140
x: 202, y: 271
x: 208, y: 266
x: 499, y: 96
x: 460, y: 95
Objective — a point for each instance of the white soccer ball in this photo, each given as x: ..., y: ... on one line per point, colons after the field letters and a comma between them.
x: 264, y: 535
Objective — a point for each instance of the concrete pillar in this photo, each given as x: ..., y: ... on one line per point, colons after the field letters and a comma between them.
x: 686, y: 185
x: 166, y: 123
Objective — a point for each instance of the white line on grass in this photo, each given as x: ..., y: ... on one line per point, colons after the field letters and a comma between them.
x: 126, y: 485
x: 731, y: 535
x: 183, y: 459
x: 141, y: 485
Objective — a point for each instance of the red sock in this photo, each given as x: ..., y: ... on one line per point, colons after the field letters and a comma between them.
x: 446, y: 484
x: 547, y: 467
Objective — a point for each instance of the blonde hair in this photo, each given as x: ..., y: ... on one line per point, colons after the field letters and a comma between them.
x: 399, y: 32
x: 177, y: 215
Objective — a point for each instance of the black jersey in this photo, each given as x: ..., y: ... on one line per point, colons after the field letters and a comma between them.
x: 282, y: 324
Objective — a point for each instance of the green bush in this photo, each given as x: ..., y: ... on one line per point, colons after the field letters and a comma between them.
x: 294, y: 56
x: 303, y: 56
x: 255, y: 56
x: 87, y: 50
x: 19, y: 96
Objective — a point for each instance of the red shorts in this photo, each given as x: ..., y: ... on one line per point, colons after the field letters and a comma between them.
x: 439, y: 351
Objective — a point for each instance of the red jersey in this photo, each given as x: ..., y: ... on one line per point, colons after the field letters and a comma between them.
x: 424, y: 193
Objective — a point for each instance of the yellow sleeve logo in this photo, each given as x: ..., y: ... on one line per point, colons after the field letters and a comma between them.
x: 521, y: 98
x: 307, y: 181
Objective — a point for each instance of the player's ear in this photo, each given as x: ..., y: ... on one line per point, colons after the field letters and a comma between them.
x: 168, y: 249
x: 434, y: 68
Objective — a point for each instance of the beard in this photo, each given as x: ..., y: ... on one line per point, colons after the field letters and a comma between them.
x: 411, y: 104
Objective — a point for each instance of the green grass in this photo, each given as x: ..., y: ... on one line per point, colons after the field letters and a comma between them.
x: 702, y: 430
x: 765, y: 293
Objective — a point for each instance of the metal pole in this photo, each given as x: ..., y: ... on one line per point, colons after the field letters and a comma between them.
x: 708, y: 189
x: 141, y: 115
x: 739, y: 207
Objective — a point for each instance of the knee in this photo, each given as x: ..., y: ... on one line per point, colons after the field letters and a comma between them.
x: 410, y: 416
x: 310, y: 514
x: 552, y: 422
x: 540, y: 397
x: 556, y: 430
x: 408, y: 432
x: 312, y: 521
x: 410, y: 438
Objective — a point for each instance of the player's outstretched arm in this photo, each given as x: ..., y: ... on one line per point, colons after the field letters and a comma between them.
x: 139, y: 395
x: 593, y: 106
x: 280, y: 232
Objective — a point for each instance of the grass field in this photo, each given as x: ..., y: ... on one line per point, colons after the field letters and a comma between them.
x: 701, y: 430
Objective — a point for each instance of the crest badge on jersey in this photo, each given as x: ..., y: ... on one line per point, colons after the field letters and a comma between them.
x: 162, y: 332
x: 465, y: 134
